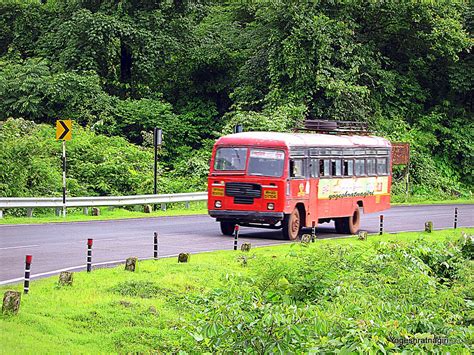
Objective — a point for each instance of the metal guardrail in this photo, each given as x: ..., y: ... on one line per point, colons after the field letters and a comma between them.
x: 57, y: 202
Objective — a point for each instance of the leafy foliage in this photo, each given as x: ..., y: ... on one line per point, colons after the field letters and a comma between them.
x: 96, y: 164
x: 342, y: 298
x: 197, y: 68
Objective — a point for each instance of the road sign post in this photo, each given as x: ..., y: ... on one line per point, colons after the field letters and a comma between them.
x: 64, y: 179
x: 64, y: 133
x: 157, y: 140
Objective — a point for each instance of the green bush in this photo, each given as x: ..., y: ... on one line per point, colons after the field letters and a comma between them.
x: 342, y: 298
x: 96, y: 164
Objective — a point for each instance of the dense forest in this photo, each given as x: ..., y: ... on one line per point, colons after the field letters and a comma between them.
x: 196, y: 68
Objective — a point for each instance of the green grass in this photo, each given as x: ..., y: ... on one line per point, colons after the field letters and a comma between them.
x: 177, y: 209
x: 416, y: 200
x: 327, y: 296
x: 76, y: 215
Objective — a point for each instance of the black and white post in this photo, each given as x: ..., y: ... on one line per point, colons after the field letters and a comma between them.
x: 64, y: 178
x: 155, y: 246
x: 236, y: 236
x: 89, y: 254
x: 381, y: 225
x: 313, y: 231
x: 455, y: 218
x: 26, y: 284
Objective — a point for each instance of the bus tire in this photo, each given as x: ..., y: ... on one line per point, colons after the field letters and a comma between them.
x: 353, y: 222
x: 227, y: 228
x: 291, y: 225
x: 348, y: 225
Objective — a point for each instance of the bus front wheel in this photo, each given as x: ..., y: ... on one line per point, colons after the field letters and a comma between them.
x: 291, y: 225
x: 227, y: 228
x: 348, y: 225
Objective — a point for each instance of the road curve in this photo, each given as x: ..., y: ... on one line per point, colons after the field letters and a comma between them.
x: 58, y: 246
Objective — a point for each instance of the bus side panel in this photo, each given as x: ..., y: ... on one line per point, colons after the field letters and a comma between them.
x: 313, y: 203
x: 300, y: 191
x: 337, y: 197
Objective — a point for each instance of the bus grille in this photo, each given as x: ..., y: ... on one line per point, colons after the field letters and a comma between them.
x: 243, y: 190
x: 243, y: 200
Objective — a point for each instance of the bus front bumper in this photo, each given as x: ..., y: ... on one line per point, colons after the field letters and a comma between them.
x: 247, y: 216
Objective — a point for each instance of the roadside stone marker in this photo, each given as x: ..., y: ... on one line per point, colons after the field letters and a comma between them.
x: 131, y: 264
x: 362, y: 235
x: 11, y: 302
x: 184, y: 257
x: 428, y: 226
x: 65, y: 278
x: 246, y: 246
x: 306, y: 238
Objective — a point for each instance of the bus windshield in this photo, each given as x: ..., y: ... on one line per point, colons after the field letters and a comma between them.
x: 230, y: 159
x: 266, y: 162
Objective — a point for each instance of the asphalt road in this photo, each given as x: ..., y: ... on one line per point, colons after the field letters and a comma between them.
x: 59, y: 246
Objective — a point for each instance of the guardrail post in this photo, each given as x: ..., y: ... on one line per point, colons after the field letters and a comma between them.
x: 57, y: 211
x: 186, y: 204
x: 85, y: 210
x: 455, y: 218
x: 29, y: 212
x: 1, y: 213
x: 163, y: 206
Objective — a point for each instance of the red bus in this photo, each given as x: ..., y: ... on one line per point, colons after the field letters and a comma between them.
x: 291, y: 180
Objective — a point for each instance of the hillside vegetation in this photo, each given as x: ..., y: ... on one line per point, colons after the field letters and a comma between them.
x: 196, y: 68
x: 411, y: 292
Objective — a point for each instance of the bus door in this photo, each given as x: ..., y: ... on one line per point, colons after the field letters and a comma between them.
x: 324, y: 188
x: 299, y: 183
x: 313, y: 202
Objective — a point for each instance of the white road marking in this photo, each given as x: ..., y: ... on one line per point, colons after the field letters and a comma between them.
x: 103, y: 263
x: 19, y: 247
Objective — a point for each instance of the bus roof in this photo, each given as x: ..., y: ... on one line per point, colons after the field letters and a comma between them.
x: 277, y: 139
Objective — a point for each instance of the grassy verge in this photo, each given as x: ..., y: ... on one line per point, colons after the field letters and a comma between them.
x: 414, y: 200
x: 106, y: 213
x: 345, y: 294
x: 76, y: 215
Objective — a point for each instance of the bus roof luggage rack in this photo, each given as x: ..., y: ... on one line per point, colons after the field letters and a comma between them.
x: 335, y: 127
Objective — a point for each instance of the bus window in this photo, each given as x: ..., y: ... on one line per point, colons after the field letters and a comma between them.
x: 336, y: 167
x: 314, y: 167
x: 297, y: 168
x: 382, y: 168
x: 371, y: 166
x: 348, y: 168
x: 230, y: 159
x: 359, y: 167
x: 324, y: 166
x: 266, y: 162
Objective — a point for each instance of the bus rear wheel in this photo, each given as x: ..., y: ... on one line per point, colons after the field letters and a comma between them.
x: 348, y: 225
x: 227, y: 227
x: 291, y: 225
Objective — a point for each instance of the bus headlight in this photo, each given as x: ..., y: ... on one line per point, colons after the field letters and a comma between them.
x: 218, y: 204
x: 270, y: 206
